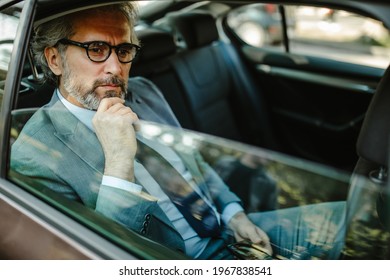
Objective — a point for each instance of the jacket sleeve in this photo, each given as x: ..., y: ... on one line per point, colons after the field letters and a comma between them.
x: 53, y: 166
x: 219, y: 191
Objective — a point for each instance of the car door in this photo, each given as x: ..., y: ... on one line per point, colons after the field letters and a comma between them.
x: 319, y: 82
x: 25, y: 232
x: 35, y: 223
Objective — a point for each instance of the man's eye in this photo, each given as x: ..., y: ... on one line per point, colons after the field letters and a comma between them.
x: 97, y: 49
x: 124, y: 51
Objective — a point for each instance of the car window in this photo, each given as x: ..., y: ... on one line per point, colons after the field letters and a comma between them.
x: 264, y: 180
x: 9, y: 22
x: 315, y: 31
x: 258, y: 25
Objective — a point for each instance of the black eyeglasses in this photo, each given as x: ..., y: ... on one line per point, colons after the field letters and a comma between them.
x: 99, y: 51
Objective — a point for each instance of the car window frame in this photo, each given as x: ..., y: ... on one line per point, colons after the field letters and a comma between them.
x: 30, y: 209
x: 12, y: 85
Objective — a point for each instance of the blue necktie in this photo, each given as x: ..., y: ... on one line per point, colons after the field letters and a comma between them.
x: 192, y: 206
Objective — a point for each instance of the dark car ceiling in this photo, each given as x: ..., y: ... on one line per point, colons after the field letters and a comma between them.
x: 379, y: 9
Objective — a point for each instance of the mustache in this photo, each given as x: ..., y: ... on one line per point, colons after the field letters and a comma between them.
x: 112, y: 80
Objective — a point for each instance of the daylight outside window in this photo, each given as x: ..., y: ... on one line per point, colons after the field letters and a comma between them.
x: 323, y: 32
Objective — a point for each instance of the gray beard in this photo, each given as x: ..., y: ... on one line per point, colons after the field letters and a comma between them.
x: 89, y: 98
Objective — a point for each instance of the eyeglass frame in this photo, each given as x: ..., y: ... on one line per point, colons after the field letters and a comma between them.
x: 85, y: 45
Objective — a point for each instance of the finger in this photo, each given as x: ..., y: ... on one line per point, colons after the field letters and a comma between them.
x: 136, y: 122
x: 137, y: 125
x: 265, y: 241
x: 253, y: 233
x: 107, y: 103
x: 128, y: 113
x: 120, y: 109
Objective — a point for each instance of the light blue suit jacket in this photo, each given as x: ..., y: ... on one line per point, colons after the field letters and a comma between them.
x: 60, y: 152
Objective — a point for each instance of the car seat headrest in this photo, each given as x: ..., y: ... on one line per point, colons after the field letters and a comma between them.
x: 196, y: 28
x: 373, y: 142
x: 155, y: 44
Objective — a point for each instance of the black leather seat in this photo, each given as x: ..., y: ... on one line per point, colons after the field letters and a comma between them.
x: 223, y: 98
x: 203, y: 79
x: 154, y: 63
x: 374, y: 138
x: 373, y: 147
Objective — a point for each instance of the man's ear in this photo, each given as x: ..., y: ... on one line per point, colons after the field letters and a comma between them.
x: 53, y: 59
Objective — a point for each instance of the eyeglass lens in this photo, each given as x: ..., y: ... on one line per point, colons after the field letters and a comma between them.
x: 100, y: 51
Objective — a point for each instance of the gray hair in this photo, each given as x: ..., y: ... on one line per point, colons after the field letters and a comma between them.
x: 49, y: 33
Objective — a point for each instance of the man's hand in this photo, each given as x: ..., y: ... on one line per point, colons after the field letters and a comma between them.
x: 115, y: 126
x: 244, y: 229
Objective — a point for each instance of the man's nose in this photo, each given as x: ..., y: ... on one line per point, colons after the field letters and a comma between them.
x: 112, y: 64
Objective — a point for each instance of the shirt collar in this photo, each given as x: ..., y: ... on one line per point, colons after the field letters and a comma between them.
x: 83, y: 115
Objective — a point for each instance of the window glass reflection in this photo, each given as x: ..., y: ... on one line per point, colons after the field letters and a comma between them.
x: 276, y: 183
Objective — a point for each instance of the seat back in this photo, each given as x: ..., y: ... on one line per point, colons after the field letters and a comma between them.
x: 373, y: 151
x: 154, y: 63
x: 221, y: 95
x: 374, y: 137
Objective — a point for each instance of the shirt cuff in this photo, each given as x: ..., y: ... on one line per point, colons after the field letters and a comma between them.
x: 121, y: 184
x: 230, y: 210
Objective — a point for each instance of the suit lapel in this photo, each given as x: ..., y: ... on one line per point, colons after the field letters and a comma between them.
x: 76, y: 136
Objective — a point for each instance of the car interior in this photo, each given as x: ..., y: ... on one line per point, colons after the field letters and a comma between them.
x: 262, y: 98
x: 329, y: 112
x: 205, y: 77
x: 211, y: 78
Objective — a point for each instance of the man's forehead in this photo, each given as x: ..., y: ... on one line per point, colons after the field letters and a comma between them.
x: 107, y: 23
x: 45, y: 17
x: 98, y: 16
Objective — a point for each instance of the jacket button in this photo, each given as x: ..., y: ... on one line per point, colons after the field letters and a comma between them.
x: 145, y: 224
x: 148, y: 217
x: 143, y: 231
